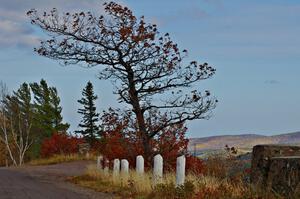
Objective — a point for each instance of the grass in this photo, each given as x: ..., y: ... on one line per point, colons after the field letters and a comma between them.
x: 136, y: 186
x: 124, y: 185
x: 60, y: 159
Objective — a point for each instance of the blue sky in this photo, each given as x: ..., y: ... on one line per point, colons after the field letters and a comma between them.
x: 254, y: 45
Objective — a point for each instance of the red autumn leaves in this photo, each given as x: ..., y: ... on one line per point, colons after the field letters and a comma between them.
x: 116, y: 144
x: 60, y: 144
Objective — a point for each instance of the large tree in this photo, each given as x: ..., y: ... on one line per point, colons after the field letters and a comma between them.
x: 47, y: 114
x: 48, y: 118
x: 58, y: 124
x: 147, y: 68
x: 90, y: 129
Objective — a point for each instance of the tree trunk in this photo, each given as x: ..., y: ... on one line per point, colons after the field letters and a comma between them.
x: 147, y: 149
x: 139, y: 115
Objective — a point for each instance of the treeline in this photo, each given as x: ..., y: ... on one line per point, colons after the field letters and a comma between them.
x: 28, y: 116
x: 32, y: 126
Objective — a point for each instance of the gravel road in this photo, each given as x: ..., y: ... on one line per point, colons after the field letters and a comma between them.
x: 45, y: 182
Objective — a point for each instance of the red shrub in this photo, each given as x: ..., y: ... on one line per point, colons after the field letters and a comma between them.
x: 194, y: 165
x: 121, y: 140
x: 170, y: 144
x: 60, y: 144
x: 118, y: 140
x: 114, y: 145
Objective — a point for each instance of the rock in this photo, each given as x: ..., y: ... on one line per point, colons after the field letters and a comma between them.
x: 261, y: 157
x: 284, y: 176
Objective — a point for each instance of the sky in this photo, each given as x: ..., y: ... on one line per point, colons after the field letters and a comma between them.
x: 254, y: 46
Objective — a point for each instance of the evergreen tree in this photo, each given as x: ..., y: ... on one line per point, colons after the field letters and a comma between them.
x: 47, y: 114
x: 42, y: 108
x: 90, y: 130
x: 48, y: 110
x: 23, y: 97
x: 57, y: 109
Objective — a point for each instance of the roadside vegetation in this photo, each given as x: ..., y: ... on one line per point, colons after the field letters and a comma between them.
x: 28, y: 116
x: 56, y: 159
x: 217, y: 180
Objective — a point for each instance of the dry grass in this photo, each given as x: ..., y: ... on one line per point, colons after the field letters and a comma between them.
x: 132, y: 182
x: 137, y: 186
x: 60, y: 159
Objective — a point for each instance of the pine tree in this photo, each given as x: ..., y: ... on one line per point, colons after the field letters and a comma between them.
x: 47, y: 114
x: 48, y: 110
x: 90, y: 130
x: 57, y: 109
x: 42, y: 108
x: 23, y: 96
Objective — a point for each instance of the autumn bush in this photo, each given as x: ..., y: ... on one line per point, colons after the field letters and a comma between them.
x: 60, y: 144
x: 115, y: 145
x: 171, y: 143
x: 194, y: 165
x: 122, y: 141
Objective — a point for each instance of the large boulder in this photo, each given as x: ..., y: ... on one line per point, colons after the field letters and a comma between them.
x: 277, y: 168
x: 261, y: 160
x: 284, y: 176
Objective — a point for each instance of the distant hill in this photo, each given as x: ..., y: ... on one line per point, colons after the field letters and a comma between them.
x: 245, y: 141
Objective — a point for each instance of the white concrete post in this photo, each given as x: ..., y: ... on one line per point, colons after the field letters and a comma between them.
x: 180, y: 170
x: 116, y: 169
x: 106, y: 167
x: 99, y: 162
x: 158, y: 169
x: 139, y: 164
x: 124, y: 166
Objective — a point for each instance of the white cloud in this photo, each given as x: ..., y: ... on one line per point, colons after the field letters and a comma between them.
x: 15, y: 29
